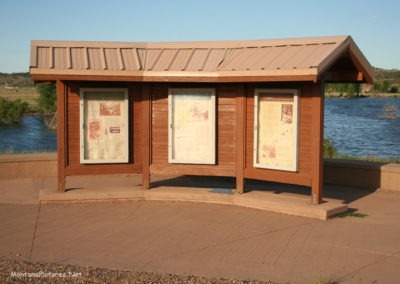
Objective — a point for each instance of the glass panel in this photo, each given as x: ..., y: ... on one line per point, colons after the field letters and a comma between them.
x: 276, y: 127
x: 105, y: 127
x: 192, y: 127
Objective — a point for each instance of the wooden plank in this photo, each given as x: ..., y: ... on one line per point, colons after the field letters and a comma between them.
x: 101, y: 75
x: 103, y: 169
x: 240, y: 137
x: 61, y: 135
x: 317, y: 145
x: 146, y: 135
x: 278, y: 176
x: 192, y: 169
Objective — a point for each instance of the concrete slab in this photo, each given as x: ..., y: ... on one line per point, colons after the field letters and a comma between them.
x: 202, y: 238
x: 296, y: 205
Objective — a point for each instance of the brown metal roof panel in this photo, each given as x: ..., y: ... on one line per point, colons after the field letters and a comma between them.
x: 165, y: 60
x: 214, y: 59
x: 43, y: 57
x: 95, y: 58
x: 303, y: 58
x: 128, y: 58
x: 180, y: 60
x: 60, y: 58
x: 230, y: 59
x: 111, y: 58
x: 78, y: 58
x: 34, y: 57
x: 197, y: 60
x: 150, y: 58
x: 270, y: 55
x: 319, y: 54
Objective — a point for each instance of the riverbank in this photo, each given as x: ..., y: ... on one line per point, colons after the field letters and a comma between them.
x: 362, y: 95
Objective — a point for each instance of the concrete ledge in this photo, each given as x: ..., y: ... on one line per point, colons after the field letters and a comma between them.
x: 362, y: 174
x: 291, y: 205
x: 17, y: 166
x: 349, y: 173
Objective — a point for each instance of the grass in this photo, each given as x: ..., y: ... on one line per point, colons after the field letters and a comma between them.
x: 22, y: 91
x: 28, y: 95
x: 351, y: 214
x: 330, y: 151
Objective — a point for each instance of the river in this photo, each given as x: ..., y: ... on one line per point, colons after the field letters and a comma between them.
x: 356, y: 127
x: 29, y: 135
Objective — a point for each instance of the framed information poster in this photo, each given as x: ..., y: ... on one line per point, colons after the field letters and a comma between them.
x: 191, y: 119
x: 104, y: 135
x: 276, y: 129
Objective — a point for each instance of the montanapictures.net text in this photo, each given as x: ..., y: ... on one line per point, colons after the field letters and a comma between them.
x: 43, y: 274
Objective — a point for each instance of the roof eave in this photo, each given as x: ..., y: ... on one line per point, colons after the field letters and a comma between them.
x: 175, y: 76
x: 360, y: 62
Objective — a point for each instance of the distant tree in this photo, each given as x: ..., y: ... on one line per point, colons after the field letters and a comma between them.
x: 394, y: 89
x: 385, y: 86
x: 47, y: 101
x: 12, y: 111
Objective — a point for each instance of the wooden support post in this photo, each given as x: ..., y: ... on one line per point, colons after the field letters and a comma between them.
x: 240, y: 138
x: 317, y: 145
x: 146, y: 135
x: 61, y: 134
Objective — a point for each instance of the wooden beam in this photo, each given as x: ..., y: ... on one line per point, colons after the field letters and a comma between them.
x: 317, y: 144
x: 240, y: 137
x: 170, y: 79
x: 146, y: 135
x: 344, y: 77
x: 61, y: 135
x: 366, y: 77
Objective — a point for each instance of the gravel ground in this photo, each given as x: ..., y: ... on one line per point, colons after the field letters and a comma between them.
x: 17, y: 271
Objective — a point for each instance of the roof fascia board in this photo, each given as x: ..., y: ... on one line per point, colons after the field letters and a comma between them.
x: 182, y: 76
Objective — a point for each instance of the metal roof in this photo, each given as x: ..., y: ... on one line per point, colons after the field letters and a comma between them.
x: 251, y: 60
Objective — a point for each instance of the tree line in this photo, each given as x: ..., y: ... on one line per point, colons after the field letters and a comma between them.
x: 11, y: 111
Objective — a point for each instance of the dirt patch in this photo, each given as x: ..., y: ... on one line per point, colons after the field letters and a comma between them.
x: 17, y: 271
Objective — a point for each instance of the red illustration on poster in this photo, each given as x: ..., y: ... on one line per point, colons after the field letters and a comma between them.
x: 110, y: 109
x: 94, y: 129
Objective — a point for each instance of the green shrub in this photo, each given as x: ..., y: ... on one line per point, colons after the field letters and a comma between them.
x: 330, y: 151
x: 11, y: 111
x: 47, y: 101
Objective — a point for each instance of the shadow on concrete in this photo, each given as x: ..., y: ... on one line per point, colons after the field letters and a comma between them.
x: 345, y: 194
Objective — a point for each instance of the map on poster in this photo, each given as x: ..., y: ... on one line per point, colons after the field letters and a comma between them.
x: 192, y: 128
x: 105, y: 126
x: 276, y: 132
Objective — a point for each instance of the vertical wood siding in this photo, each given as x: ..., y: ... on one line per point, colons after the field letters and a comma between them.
x: 73, y: 132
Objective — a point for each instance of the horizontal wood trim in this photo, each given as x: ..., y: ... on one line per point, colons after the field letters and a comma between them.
x: 165, y: 78
x: 278, y: 176
x: 188, y: 169
x: 103, y: 169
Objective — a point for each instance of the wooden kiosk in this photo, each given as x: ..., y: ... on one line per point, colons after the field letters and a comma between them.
x: 245, y: 109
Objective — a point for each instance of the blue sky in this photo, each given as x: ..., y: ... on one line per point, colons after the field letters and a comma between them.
x: 374, y: 25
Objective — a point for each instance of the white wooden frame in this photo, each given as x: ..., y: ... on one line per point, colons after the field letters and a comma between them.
x: 211, y: 157
x: 124, y: 127
x: 295, y: 122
